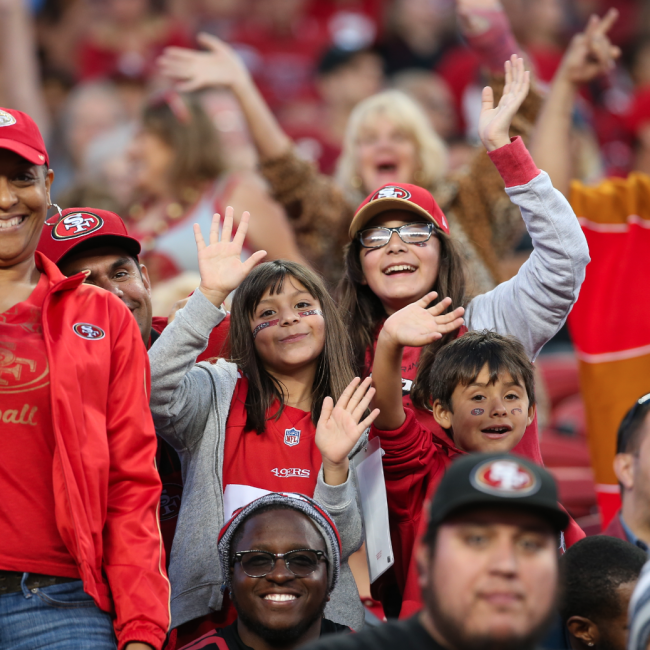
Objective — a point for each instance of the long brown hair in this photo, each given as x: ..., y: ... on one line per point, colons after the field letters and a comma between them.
x: 363, y: 312
x: 334, y: 370
x: 192, y: 136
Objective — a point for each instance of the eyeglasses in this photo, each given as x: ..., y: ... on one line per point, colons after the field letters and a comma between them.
x: 301, y: 562
x: 409, y: 233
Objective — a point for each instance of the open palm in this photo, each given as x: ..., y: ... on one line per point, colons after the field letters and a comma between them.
x: 415, y: 325
x: 494, y: 123
x: 217, y: 65
x: 340, y: 427
x: 220, y: 264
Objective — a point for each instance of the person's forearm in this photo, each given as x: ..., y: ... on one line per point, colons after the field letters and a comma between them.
x: 387, y: 380
x: 550, y: 144
x: 269, y: 138
x: 18, y: 57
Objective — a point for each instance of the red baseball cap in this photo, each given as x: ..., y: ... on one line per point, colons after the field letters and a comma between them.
x: 82, y: 229
x: 19, y: 133
x: 399, y: 197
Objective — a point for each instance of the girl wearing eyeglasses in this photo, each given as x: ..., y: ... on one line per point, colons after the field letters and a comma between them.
x: 285, y: 403
x: 402, y: 259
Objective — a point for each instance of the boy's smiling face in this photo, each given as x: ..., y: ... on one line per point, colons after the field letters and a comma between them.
x: 487, y: 417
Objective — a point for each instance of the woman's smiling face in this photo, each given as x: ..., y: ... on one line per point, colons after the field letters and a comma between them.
x: 24, y: 196
x: 385, y: 154
x: 398, y: 273
x: 292, y: 341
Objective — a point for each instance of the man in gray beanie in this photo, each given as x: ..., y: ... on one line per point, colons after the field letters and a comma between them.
x: 281, y: 556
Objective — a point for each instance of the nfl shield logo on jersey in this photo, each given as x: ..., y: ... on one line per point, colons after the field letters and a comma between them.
x: 291, y: 437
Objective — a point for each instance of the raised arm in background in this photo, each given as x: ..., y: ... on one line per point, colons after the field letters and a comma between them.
x: 589, y: 56
x: 20, y: 72
x: 220, y: 66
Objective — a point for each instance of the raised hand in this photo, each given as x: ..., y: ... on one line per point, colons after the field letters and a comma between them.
x: 220, y: 264
x: 340, y: 427
x: 217, y: 65
x: 415, y: 325
x: 590, y: 53
x: 474, y: 16
x: 494, y: 123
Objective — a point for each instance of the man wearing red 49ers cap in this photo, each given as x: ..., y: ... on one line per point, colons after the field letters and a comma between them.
x: 96, y: 242
x: 81, y: 560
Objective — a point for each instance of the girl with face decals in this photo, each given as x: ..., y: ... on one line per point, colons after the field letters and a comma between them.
x: 264, y: 421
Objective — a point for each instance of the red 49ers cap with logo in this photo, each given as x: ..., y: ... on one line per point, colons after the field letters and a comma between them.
x: 401, y: 196
x: 19, y: 133
x: 497, y: 481
x: 81, y: 229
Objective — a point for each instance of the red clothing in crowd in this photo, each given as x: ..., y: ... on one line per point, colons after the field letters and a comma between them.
x: 284, y: 458
x: 30, y: 540
x: 103, y: 57
x: 105, y: 485
x: 615, y: 528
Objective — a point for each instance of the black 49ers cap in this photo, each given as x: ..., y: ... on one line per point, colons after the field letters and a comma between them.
x: 79, y: 229
x: 497, y: 480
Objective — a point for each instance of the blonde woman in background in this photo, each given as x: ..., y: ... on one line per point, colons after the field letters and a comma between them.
x: 389, y: 140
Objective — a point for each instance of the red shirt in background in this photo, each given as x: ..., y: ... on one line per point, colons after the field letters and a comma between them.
x: 30, y: 540
x: 97, y: 59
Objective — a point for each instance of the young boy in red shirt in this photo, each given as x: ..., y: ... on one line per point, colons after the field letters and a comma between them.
x: 482, y: 395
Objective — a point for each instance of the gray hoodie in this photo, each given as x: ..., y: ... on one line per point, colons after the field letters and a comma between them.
x: 190, y: 404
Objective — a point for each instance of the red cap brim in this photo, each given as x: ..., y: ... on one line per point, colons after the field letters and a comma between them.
x: 25, y: 151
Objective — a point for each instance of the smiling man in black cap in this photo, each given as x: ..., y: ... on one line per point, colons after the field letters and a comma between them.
x: 488, y: 562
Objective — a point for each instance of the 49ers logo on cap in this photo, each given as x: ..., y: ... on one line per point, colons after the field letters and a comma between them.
x: 76, y: 224
x: 88, y: 331
x: 391, y: 192
x: 6, y: 119
x: 504, y: 478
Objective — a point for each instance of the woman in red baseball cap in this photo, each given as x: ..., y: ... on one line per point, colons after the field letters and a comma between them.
x: 402, y: 258
x: 77, y: 442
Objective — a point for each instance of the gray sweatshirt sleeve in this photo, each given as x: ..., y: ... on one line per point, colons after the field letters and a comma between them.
x: 535, y: 303
x: 181, y: 391
x: 341, y: 503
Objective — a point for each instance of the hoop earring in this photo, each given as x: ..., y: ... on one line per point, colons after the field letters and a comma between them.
x: 58, y: 209
x: 418, y: 177
x: 356, y: 182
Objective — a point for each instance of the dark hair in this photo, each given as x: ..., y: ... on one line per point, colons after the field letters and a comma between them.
x: 591, y: 571
x: 194, y: 139
x: 628, y: 439
x: 334, y: 372
x: 460, y: 363
x: 363, y: 312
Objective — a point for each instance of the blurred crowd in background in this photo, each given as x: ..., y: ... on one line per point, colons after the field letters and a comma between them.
x: 87, y: 71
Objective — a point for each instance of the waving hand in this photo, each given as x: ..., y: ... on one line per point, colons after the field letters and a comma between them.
x: 340, y: 426
x: 220, y: 265
x: 494, y: 122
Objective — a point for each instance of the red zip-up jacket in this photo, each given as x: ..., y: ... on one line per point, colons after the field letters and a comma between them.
x: 415, y: 461
x: 106, y: 487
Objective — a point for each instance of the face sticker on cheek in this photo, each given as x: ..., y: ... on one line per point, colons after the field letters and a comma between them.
x: 516, y: 411
x: 477, y: 411
x: 310, y: 312
x: 263, y: 326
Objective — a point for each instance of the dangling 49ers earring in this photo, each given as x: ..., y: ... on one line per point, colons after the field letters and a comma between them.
x: 58, y: 209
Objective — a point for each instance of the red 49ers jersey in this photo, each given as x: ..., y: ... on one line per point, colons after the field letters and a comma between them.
x: 282, y: 459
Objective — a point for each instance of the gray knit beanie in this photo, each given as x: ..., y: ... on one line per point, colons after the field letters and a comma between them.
x: 299, y: 502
